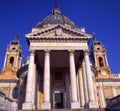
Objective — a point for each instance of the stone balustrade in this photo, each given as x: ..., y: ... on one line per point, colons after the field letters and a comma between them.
x: 7, y: 104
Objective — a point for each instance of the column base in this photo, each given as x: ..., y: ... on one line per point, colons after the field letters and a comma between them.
x: 46, y: 105
x: 93, y: 104
x: 75, y: 105
x: 86, y: 105
x: 28, y: 105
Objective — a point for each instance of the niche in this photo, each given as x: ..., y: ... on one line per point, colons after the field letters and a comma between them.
x: 12, y: 61
x: 101, y: 62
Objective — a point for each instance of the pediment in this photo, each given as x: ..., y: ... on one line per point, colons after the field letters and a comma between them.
x: 57, y: 31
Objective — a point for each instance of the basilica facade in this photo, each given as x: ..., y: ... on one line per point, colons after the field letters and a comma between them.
x: 61, y: 70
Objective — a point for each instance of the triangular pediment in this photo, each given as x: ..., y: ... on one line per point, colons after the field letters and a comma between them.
x: 57, y: 30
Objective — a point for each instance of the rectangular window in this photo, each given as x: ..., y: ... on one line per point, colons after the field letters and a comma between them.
x: 107, y: 93
x: 118, y: 91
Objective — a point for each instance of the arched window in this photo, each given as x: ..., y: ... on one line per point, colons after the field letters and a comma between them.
x: 12, y: 61
x: 100, y: 61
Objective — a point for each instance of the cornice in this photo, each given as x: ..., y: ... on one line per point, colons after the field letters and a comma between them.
x: 108, y: 80
x: 73, y: 32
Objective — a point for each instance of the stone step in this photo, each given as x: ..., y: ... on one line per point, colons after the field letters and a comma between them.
x: 94, y: 109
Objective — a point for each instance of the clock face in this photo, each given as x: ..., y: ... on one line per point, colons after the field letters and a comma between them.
x: 58, y: 32
x: 104, y: 73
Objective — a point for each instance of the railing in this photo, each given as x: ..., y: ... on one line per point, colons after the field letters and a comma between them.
x: 116, y: 75
x: 7, y: 104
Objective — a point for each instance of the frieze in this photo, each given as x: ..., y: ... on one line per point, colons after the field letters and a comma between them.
x: 58, y: 46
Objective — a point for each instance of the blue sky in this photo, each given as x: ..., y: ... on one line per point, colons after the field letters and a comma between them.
x: 99, y: 16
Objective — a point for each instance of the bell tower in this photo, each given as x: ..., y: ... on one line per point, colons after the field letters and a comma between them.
x: 13, y: 56
x: 99, y: 60
x: 12, y: 62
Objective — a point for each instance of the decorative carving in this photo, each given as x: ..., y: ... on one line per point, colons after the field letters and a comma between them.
x: 58, y: 32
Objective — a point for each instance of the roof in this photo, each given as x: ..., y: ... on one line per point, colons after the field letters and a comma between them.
x: 15, y: 41
x: 56, y: 18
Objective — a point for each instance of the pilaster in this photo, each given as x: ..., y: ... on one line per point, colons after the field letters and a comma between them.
x: 114, y: 91
x: 101, y: 95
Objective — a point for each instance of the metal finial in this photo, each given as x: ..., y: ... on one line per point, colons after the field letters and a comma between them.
x: 16, y: 37
x: 94, y: 36
x: 56, y: 9
x: 56, y: 5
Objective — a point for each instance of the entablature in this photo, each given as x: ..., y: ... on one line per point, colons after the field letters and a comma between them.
x: 58, y: 46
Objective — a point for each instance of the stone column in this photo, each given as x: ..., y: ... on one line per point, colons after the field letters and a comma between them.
x: 67, y: 83
x: 20, y: 62
x: 101, y: 95
x: 92, y: 102
x: 17, y: 63
x: 46, y: 102
x: 34, y: 86
x: 82, y: 99
x: 96, y: 63
x: 114, y: 91
x: 74, y: 104
x: 28, y: 97
x: 37, y: 87
x: 5, y: 60
x: 85, y: 84
x: 106, y: 60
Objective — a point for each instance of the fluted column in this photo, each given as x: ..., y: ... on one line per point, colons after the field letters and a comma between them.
x: 46, y: 101
x: 74, y: 103
x: 28, y: 97
x: 92, y: 102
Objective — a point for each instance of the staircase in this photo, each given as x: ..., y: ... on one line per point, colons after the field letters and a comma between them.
x: 95, y: 109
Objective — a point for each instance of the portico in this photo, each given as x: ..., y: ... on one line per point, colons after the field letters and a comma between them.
x: 65, y: 58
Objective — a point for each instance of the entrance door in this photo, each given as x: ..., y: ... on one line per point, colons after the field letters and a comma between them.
x: 58, y: 100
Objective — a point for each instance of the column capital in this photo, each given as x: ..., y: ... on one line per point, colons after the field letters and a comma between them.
x: 47, y: 51
x: 31, y: 52
x: 86, y: 51
x: 100, y: 86
x: 71, y: 52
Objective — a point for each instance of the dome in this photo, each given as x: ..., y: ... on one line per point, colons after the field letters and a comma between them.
x: 56, y: 18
